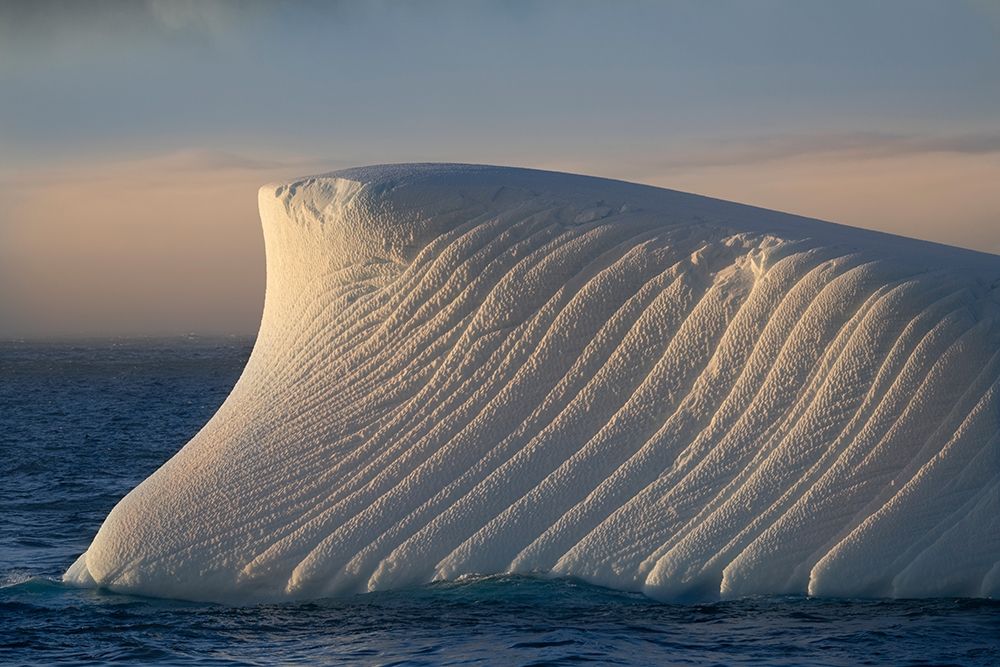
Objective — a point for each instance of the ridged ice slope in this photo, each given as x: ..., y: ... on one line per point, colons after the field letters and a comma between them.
x: 467, y: 369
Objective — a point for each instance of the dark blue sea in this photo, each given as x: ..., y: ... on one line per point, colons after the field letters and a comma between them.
x: 82, y: 423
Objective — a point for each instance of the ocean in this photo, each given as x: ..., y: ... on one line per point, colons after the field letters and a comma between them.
x: 81, y: 423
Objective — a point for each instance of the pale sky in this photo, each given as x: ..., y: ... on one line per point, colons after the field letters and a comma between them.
x: 134, y: 135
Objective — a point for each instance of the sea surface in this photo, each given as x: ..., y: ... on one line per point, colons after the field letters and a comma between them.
x: 81, y: 423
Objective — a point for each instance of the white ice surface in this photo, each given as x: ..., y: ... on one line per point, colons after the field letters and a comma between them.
x: 471, y: 370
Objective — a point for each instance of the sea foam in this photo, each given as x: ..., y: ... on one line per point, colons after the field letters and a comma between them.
x: 472, y: 370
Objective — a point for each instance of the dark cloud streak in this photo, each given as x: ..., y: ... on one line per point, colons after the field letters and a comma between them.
x: 855, y: 145
x: 38, y: 30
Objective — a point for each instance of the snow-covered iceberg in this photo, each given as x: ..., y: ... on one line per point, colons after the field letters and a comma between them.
x: 467, y: 369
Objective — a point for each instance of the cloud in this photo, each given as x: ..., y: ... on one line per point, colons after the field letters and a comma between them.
x: 36, y: 33
x: 194, y: 159
x: 185, y: 165
x: 31, y: 16
x: 852, y: 145
x: 30, y: 20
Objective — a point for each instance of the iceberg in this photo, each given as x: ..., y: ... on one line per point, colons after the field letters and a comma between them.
x: 467, y: 370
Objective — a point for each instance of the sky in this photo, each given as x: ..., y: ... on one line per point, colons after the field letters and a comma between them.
x: 134, y: 134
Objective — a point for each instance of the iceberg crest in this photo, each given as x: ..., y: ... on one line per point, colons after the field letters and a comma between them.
x: 472, y: 370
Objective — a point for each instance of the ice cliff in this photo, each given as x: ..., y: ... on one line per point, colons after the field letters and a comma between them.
x: 465, y: 369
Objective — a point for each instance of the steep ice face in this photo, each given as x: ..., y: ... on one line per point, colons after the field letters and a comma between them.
x: 467, y: 369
